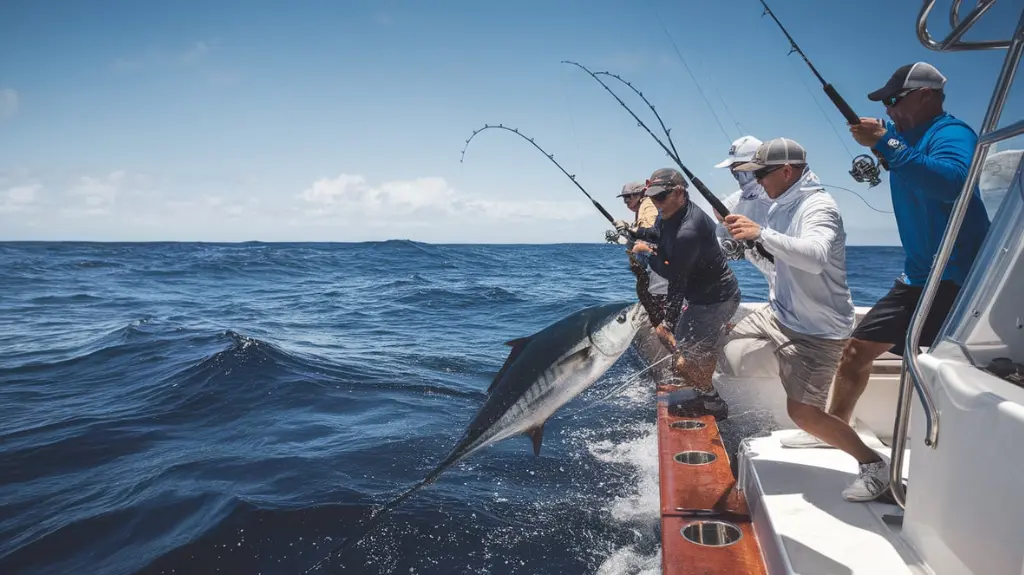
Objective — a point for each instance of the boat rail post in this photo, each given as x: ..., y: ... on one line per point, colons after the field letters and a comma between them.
x: 987, y: 136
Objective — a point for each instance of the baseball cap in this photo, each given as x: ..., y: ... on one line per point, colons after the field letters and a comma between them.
x: 631, y: 188
x: 917, y: 75
x: 741, y: 150
x: 775, y: 153
x: 664, y: 179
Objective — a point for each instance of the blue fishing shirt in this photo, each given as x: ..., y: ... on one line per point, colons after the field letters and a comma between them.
x: 928, y: 167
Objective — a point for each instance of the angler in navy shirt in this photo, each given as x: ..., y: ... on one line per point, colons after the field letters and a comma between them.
x: 690, y: 257
x: 929, y: 153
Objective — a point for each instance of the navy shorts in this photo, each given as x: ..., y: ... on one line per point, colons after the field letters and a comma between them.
x: 889, y: 320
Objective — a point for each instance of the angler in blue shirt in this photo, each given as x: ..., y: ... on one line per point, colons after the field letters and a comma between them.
x: 929, y: 153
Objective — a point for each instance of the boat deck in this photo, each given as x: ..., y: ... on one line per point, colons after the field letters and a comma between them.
x: 802, y: 521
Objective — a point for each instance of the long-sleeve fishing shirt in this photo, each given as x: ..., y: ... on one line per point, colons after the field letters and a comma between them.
x: 691, y: 259
x: 804, y: 231
x: 928, y: 168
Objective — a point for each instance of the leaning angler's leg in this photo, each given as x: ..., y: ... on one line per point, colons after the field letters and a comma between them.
x: 853, y: 374
x: 814, y: 420
x: 806, y: 367
x: 707, y: 330
x: 884, y: 327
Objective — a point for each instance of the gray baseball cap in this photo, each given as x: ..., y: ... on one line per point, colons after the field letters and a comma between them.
x: 664, y: 179
x: 777, y: 152
x: 631, y: 189
x: 917, y: 75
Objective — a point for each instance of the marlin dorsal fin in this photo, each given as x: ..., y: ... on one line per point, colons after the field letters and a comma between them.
x: 517, y: 346
x: 537, y: 435
x: 513, y: 343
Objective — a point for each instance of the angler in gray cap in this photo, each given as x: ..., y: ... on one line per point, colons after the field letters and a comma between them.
x: 929, y: 153
x: 645, y: 215
x: 645, y: 230
x: 689, y: 256
x: 810, y: 313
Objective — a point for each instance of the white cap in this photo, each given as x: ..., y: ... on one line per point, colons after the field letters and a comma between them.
x: 742, y: 150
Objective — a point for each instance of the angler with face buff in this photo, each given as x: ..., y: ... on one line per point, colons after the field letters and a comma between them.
x: 750, y: 200
x: 689, y: 256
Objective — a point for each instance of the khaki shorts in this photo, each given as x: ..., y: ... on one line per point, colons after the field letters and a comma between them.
x: 807, y: 363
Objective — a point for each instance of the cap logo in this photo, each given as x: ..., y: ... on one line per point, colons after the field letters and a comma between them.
x: 732, y: 150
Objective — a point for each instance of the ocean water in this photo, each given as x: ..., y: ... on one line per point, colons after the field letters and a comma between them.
x: 240, y: 408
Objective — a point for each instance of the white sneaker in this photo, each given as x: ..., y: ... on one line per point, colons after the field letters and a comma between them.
x: 872, y: 481
x: 802, y: 439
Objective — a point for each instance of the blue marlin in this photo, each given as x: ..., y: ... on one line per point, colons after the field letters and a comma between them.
x: 542, y: 373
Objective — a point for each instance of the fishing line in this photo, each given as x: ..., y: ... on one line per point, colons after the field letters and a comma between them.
x: 732, y: 117
x: 679, y: 53
x: 859, y: 196
x: 629, y: 381
x: 716, y: 203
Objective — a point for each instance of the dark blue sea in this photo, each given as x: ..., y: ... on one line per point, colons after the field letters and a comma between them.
x: 197, y: 408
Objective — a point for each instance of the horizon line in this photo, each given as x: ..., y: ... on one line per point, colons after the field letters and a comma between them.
x: 348, y: 242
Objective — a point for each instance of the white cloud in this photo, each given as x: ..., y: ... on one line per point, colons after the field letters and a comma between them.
x: 428, y: 200
x: 8, y: 102
x: 97, y: 195
x: 124, y: 205
x: 19, y: 198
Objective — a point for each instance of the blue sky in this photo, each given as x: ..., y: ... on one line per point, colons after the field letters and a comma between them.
x: 344, y: 121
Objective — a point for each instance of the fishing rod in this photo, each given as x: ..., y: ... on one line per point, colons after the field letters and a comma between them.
x: 864, y: 168
x: 551, y: 157
x: 716, y: 203
x: 642, y: 277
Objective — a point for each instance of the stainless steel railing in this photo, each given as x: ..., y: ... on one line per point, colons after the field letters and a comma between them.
x: 986, y: 137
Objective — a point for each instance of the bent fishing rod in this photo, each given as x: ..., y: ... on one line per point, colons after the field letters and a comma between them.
x: 864, y: 168
x: 643, y: 279
x: 712, y: 199
x: 551, y: 157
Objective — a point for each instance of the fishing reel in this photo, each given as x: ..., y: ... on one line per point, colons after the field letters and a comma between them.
x: 865, y: 170
x: 733, y: 249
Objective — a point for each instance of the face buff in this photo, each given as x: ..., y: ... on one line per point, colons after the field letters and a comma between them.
x: 743, y: 178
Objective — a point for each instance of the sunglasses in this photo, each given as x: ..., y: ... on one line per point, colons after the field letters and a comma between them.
x: 891, y: 101
x: 630, y: 197
x: 763, y: 172
x: 660, y: 197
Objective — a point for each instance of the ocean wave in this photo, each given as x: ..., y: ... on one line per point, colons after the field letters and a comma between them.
x: 240, y: 408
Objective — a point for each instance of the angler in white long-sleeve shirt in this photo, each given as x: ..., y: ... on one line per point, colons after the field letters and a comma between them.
x: 810, y: 313
x: 750, y: 200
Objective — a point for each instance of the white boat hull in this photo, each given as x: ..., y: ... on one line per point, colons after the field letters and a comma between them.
x: 747, y: 378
